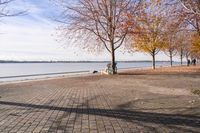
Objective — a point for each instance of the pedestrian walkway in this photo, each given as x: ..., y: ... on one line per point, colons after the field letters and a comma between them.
x: 120, y: 104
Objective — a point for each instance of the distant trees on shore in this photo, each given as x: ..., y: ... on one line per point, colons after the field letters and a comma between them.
x: 149, y: 26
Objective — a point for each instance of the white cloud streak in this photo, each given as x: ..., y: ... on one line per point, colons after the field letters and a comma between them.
x: 30, y: 37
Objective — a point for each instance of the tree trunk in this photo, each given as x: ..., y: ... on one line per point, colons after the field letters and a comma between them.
x: 181, y: 59
x: 153, y: 61
x: 110, y: 20
x: 171, y: 59
x: 113, y: 59
x: 181, y: 56
x: 187, y: 58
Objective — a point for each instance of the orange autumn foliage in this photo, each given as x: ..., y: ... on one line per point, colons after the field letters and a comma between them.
x: 196, y: 44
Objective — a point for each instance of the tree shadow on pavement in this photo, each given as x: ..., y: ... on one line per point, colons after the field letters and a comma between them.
x: 168, y: 120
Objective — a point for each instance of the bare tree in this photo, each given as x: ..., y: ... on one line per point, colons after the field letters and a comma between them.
x: 105, y: 20
x: 172, y: 27
x: 183, y: 41
x: 192, y: 13
x: 5, y: 11
x: 191, y: 6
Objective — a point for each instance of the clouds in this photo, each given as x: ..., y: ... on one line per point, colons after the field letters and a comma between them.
x: 32, y: 36
x: 30, y: 41
x: 38, y: 12
x: 29, y: 35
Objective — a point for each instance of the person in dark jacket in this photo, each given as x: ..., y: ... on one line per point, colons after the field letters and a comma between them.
x: 195, y: 61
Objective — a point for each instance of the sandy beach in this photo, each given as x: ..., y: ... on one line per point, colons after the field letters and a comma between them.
x: 141, y: 100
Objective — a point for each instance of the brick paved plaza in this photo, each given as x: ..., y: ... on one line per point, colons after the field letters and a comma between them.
x: 125, y: 103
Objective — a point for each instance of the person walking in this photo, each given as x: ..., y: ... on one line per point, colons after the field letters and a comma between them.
x: 194, y: 61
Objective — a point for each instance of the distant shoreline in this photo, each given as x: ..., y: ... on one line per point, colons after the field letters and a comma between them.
x: 4, y: 61
x: 175, y: 70
x: 46, y: 74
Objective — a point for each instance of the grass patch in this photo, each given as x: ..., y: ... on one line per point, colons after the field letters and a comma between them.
x: 195, y: 91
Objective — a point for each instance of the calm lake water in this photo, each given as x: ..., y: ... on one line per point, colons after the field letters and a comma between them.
x: 22, y: 71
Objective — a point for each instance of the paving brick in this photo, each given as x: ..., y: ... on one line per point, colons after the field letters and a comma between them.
x: 94, y: 106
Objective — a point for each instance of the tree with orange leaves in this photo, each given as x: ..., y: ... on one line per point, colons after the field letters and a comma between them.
x: 196, y: 45
x: 149, y: 31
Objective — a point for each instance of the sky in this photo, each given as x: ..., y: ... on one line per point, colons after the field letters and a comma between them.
x: 32, y: 37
